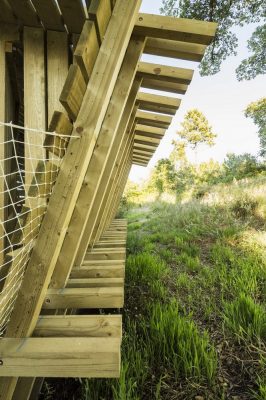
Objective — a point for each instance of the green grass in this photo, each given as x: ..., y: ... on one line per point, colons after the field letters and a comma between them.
x: 194, y: 316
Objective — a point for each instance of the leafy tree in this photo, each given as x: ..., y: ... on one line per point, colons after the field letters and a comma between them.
x: 240, y: 166
x: 178, y: 155
x: 196, y: 130
x: 228, y: 13
x: 164, y: 176
x: 257, y: 111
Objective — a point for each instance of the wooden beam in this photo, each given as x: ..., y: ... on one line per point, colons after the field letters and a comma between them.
x: 179, y: 29
x: 161, y: 104
x: 60, y: 357
x: 174, y: 49
x: 57, y: 69
x: 49, y: 14
x: 178, y: 88
x: 69, y: 181
x: 73, y: 14
x: 106, y: 148
x: 79, y: 326
x: 151, y: 119
x: 114, y: 270
x: 87, y: 49
x: 95, y: 282
x: 165, y: 73
x: 101, y: 297
x: 100, y: 12
x: 149, y: 131
x: 25, y: 12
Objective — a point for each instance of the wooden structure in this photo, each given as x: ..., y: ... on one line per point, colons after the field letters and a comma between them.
x: 77, y: 69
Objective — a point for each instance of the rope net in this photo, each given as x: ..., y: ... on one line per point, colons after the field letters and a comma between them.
x: 30, y: 160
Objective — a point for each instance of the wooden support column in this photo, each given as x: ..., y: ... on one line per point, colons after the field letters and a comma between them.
x: 97, y: 171
x: 70, y: 178
x: 34, y: 102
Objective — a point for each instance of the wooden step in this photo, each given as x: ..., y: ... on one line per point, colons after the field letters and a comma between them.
x: 98, y: 271
x: 80, y: 298
x: 110, y: 243
x: 106, y: 255
x: 60, y: 357
x: 79, y: 326
x: 94, y: 282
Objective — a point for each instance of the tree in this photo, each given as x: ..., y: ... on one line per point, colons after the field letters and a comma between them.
x: 228, y: 13
x: 164, y: 177
x: 257, y: 111
x: 178, y: 155
x: 240, y: 166
x: 196, y: 130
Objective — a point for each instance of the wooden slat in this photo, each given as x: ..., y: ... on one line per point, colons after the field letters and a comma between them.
x: 170, y: 87
x: 79, y: 326
x: 25, y: 12
x: 148, y: 140
x: 60, y: 357
x: 149, y: 131
x: 156, y: 103
x: 179, y: 29
x: 110, y: 255
x: 106, y: 297
x: 100, y: 12
x: 49, y: 14
x: 73, y: 91
x: 73, y: 14
x: 87, y: 50
x: 136, y: 148
x: 95, y: 282
x: 99, y: 271
x: 151, y: 119
x: 165, y: 73
x: 174, y: 49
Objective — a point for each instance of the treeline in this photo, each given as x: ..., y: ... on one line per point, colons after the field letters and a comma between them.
x: 188, y: 179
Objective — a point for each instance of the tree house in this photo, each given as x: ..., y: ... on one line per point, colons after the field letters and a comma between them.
x: 74, y: 85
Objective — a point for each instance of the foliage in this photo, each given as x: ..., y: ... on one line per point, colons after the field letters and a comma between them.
x: 196, y: 129
x: 228, y: 13
x: 257, y: 111
x: 163, y: 176
x: 240, y: 166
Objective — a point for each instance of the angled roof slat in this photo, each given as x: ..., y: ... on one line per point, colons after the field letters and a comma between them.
x: 49, y: 14
x: 25, y: 12
x: 165, y: 73
x: 73, y: 14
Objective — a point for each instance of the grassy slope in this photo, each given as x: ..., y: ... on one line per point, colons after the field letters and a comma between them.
x: 195, y: 325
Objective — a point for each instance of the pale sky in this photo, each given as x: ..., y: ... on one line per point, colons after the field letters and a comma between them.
x: 221, y: 98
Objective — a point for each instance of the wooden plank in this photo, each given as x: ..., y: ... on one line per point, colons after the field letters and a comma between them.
x: 87, y: 50
x: 151, y: 119
x: 63, y: 127
x: 34, y: 99
x: 49, y: 14
x: 60, y: 357
x: 106, y: 297
x: 165, y: 73
x: 149, y: 131
x: 99, y: 271
x: 136, y: 148
x: 57, y: 69
x: 156, y: 103
x: 148, y: 140
x: 119, y: 255
x: 73, y: 14
x: 170, y: 87
x: 179, y: 29
x: 7, y: 14
x: 95, y: 282
x: 79, y: 326
x: 174, y: 49
x: 25, y: 12
x: 70, y: 179
x: 100, y: 12
x: 73, y: 91
x: 97, y: 170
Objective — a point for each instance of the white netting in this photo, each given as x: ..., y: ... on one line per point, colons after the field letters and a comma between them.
x: 29, y: 164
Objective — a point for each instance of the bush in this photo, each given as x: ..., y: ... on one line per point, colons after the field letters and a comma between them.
x: 245, y: 206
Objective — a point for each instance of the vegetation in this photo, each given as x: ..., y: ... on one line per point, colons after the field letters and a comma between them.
x: 228, y: 14
x: 194, y: 319
x: 257, y: 111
